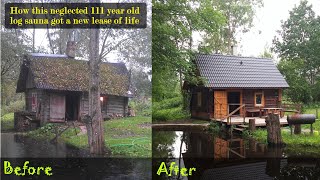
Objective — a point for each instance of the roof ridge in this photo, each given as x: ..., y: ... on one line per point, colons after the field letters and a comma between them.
x: 62, y: 56
x: 229, y: 55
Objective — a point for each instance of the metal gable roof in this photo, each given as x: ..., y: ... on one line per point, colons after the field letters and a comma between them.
x: 224, y: 71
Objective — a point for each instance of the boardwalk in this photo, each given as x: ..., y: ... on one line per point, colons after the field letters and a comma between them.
x: 259, y: 121
x: 179, y: 127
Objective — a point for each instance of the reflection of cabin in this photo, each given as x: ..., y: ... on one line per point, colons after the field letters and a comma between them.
x: 56, y: 87
x: 231, y: 82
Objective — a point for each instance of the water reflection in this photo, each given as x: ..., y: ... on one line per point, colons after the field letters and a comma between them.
x: 228, y: 157
x: 68, y: 162
x: 16, y: 146
x: 205, y: 145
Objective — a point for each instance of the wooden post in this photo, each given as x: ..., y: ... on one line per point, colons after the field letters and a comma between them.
x: 252, y: 125
x: 252, y: 145
x: 273, y: 129
x: 317, y: 113
x: 244, y: 114
x: 297, y: 129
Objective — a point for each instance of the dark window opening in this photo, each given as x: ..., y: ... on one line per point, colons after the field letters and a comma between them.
x: 72, y: 107
x: 234, y: 102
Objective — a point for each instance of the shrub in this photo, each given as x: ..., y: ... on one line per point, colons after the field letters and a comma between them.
x: 168, y: 103
x: 13, y: 107
x: 169, y: 114
x: 213, y: 127
x: 142, y: 107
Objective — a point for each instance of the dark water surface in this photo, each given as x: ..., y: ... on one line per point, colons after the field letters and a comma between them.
x: 15, y: 145
x: 68, y: 162
x: 231, y: 157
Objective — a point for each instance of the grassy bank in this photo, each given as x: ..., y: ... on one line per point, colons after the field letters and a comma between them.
x: 126, y: 137
x: 169, y: 109
x: 304, y: 139
x: 7, y: 122
x: 295, y: 144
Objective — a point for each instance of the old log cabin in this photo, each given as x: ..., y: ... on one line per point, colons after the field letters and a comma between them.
x: 56, y: 87
x: 231, y: 82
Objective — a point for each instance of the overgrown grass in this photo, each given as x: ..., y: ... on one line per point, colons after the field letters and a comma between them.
x: 169, y: 109
x: 125, y: 137
x: 292, y: 141
x: 49, y: 131
x: 7, y: 122
x: 312, y: 110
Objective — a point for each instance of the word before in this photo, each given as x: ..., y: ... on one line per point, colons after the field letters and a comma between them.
x: 22, y: 171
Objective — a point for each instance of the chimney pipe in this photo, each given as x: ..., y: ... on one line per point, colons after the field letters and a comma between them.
x: 234, y: 50
x: 71, y: 49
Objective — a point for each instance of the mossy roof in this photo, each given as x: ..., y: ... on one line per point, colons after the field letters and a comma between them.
x: 68, y: 74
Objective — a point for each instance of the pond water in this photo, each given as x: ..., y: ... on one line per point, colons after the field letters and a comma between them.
x: 15, y: 145
x: 67, y: 161
x: 230, y: 156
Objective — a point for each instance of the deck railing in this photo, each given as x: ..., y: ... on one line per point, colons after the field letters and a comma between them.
x: 233, y: 112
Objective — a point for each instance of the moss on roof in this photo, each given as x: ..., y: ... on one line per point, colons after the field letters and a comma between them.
x: 62, y: 73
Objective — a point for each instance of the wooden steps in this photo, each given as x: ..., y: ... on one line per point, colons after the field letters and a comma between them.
x: 239, y: 129
x: 243, y: 126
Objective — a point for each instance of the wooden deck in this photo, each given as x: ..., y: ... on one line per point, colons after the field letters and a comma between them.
x: 260, y: 122
x: 179, y: 127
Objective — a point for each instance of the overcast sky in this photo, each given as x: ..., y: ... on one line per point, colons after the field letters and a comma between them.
x: 267, y: 21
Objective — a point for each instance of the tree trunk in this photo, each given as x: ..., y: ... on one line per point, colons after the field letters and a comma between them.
x: 96, y: 129
x: 273, y: 129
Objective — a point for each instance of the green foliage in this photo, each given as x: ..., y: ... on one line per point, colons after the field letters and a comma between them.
x: 167, y: 103
x: 299, y: 90
x: 213, y: 127
x: 172, y: 25
x: 169, y: 109
x: 169, y: 114
x: 237, y: 17
x: 142, y: 106
x: 50, y: 130
x: 246, y: 133
x: 304, y: 139
x: 14, y: 106
x: 298, y: 46
x: 7, y: 122
x: 126, y: 137
x: 166, y: 139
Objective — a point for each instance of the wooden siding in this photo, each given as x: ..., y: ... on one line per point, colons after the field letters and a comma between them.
x: 43, y: 103
x: 272, y: 98
x: 111, y: 105
x: 117, y: 105
x: 204, y: 111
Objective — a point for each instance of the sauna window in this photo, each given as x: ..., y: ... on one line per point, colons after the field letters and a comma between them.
x: 258, y: 99
x: 199, y: 99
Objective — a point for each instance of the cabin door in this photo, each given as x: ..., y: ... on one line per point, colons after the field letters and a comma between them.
x: 220, y: 104
x: 57, y: 107
x: 234, y: 102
